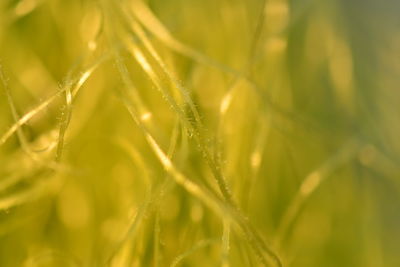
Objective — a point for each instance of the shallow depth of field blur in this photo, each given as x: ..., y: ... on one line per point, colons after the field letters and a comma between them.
x: 199, y: 133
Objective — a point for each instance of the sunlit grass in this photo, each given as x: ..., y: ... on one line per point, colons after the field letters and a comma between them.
x: 199, y: 133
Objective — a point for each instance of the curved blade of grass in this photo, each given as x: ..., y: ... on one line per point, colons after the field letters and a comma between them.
x: 30, y: 114
x: 311, y: 183
x: 71, y: 90
x: 20, y: 134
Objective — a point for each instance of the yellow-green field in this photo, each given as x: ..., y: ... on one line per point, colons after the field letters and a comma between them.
x: 227, y: 133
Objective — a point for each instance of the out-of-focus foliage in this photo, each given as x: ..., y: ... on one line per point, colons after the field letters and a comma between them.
x: 199, y: 133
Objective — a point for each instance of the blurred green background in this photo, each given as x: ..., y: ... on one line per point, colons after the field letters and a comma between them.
x: 199, y: 133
